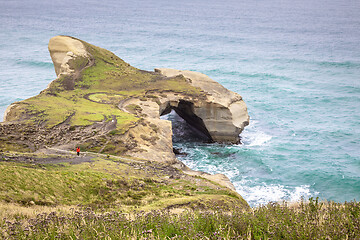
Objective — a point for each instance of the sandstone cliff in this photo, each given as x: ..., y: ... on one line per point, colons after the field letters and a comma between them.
x: 103, y: 104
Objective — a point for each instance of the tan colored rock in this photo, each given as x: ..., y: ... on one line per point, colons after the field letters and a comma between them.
x: 9, y: 112
x: 218, y: 178
x: 224, y: 113
x: 64, y: 48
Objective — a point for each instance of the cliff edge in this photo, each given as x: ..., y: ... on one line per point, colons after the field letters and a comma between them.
x: 104, y: 105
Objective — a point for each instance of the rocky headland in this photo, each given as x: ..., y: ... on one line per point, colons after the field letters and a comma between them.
x: 109, y: 108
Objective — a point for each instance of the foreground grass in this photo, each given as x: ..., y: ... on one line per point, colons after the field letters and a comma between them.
x: 103, y: 197
x: 311, y: 220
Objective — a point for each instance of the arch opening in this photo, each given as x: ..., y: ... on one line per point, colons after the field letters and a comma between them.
x: 186, y: 126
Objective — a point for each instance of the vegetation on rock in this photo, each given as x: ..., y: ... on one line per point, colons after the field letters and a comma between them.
x: 92, y: 95
x: 82, y: 99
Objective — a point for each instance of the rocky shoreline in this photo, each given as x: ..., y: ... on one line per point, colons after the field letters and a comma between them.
x: 105, y: 106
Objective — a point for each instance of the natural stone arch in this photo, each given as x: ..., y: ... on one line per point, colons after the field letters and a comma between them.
x: 223, y: 112
x: 185, y: 109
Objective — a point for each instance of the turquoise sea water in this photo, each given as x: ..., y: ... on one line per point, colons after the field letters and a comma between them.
x: 296, y: 64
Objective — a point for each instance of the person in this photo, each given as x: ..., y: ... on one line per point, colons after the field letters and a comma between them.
x: 78, y: 151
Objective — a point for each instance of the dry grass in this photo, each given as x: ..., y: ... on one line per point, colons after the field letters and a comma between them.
x: 310, y: 220
x: 11, y: 210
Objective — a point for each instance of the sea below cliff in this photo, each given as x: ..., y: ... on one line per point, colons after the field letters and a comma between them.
x: 296, y: 65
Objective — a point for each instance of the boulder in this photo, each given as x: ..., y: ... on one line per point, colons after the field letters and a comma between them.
x: 62, y: 50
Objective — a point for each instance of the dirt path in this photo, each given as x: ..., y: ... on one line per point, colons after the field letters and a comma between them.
x: 47, y: 159
x: 51, y: 150
x: 55, y: 156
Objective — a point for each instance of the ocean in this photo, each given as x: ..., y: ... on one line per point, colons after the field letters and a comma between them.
x: 295, y: 63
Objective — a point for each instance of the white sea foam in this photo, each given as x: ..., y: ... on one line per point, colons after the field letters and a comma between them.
x: 263, y: 194
x: 299, y: 192
x: 190, y: 164
x: 252, y: 136
x: 231, y: 173
x: 260, y: 139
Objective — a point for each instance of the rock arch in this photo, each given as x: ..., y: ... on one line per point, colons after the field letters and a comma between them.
x: 185, y: 109
x: 223, y: 112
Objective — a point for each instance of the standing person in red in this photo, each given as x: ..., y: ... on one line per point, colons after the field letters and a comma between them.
x: 78, y: 151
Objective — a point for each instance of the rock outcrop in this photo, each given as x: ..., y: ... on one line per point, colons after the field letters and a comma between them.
x: 221, y: 116
x: 105, y: 105
x: 64, y: 51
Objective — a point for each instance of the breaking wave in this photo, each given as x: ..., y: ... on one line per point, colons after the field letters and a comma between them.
x: 252, y: 136
x: 262, y: 194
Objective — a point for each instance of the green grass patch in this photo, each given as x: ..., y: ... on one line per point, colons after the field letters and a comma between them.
x: 6, y: 145
x: 178, y: 84
x: 100, y: 183
x: 54, y: 110
x: 106, y: 98
x: 50, y: 185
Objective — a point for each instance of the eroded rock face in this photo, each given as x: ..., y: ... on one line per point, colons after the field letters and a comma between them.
x: 62, y: 50
x: 223, y: 112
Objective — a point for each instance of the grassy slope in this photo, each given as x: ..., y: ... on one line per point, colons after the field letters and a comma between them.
x: 107, y: 183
